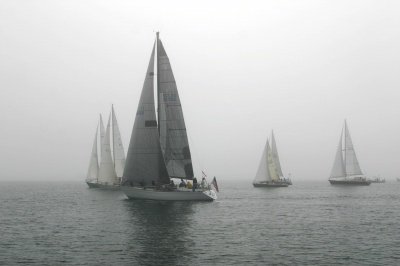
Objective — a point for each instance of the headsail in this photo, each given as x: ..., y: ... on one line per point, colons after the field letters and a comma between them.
x: 172, y: 129
x: 118, y: 149
x: 102, y: 135
x: 107, y: 172
x: 273, y: 172
x: 352, y: 166
x: 262, y: 172
x: 93, y: 171
x: 144, y: 161
x: 275, y: 156
x: 338, y: 166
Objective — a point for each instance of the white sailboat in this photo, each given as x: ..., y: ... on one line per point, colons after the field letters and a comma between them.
x: 159, y: 148
x: 346, y: 169
x: 112, y: 157
x: 269, y: 173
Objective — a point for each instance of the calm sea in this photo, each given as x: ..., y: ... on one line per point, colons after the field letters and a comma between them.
x: 307, y: 223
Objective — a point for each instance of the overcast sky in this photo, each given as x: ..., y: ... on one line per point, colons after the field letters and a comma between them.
x: 242, y: 68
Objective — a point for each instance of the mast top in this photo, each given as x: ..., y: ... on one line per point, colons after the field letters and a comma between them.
x: 158, y: 35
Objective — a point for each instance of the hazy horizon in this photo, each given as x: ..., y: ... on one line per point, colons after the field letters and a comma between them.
x: 242, y: 69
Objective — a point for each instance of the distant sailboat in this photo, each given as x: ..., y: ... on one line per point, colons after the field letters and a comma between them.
x: 112, y: 157
x: 269, y: 173
x: 346, y: 169
x: 159, y: 149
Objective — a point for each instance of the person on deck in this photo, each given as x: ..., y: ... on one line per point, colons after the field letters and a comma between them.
x: 194, y: 184
x: 203, y: 183
x: 182, y: 184
x: 189, y: 185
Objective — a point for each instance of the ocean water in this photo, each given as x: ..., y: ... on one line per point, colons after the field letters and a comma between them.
x: 305, y: 224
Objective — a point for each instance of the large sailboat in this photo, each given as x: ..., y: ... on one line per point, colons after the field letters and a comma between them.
x: 269, y: 173
x: 346, y: 169
x: 112, y: 157
x: 159, y: 148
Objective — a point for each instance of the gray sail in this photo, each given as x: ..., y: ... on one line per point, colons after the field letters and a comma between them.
x: 351, y: 163
x: 338, y: 165
x: 275, y: 156
x: 102, y: 135
x: 144, y: 162
x: 172, y: 129
x: 262, y: 174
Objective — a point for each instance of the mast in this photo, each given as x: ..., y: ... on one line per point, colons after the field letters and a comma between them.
x: 158, y: 81
x: 345, y: 147
x: 112, y: 130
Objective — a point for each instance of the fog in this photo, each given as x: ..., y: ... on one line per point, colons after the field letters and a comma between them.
x: 242, y: 69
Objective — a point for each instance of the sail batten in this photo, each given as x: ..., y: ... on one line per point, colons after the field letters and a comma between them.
x: 172, y: 128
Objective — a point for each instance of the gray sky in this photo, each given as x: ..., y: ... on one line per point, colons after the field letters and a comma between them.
x: 242, y: 68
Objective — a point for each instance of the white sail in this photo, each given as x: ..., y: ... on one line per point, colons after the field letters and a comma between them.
x: 144, y: 162
x: 275, y: 155
x: 262, y: 172
x: 172, y: 129
x: 107, y: 173
x: 93, y: 170
x: 338, y: 165
x: 272, y: 169
x: 352, y: 166
x: 118, y: 149
x: 102, y: 135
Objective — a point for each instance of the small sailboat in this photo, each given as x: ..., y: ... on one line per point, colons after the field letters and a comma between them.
x: 346, y: 169
x: 112, y: 157
x: 159, y: 148
x: 269, y: 173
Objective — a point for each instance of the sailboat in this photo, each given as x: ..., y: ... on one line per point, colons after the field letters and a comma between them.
x: 269, y: 173
x: 112, y: 157
x: 346, y: 169
x: 159, y: 148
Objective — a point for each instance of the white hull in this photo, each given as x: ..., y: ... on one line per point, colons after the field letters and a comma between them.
x: 103, y: 186
x: 176, y: 195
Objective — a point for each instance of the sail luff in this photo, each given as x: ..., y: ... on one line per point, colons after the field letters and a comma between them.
x: 107, y: 173
x: 172, y: 128
x: 144, y: 162
x: 118, y: 149
x: 93, y: 171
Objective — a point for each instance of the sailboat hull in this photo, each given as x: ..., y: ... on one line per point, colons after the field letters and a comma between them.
x: 271, y: 184
x: 350, y: 182
x: 176, y: 195
x: 103, y: 186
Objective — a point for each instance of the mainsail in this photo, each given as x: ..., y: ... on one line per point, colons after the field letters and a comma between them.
x: 107, y: 173
x: 172, y: 129
x: 144, y: 161
x: 118, y: 149
x: 93, y: 170
x: 275, y: 156
x: 262, y: 172
x: 272, y: 169
x: 352, y: 166
x: 338, y: 165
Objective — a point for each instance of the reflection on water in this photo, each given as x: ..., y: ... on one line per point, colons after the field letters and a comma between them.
x: 160, y: 232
